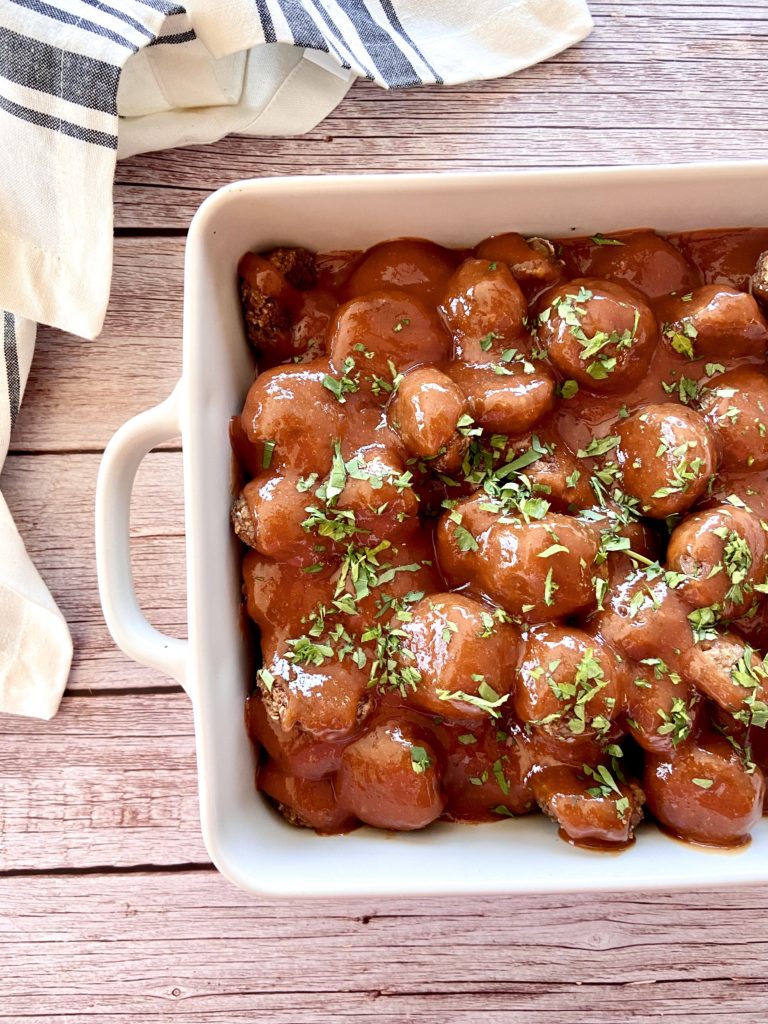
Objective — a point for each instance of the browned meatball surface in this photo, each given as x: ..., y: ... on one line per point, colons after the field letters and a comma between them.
x: 484, y: 309
x: 391, y: 778
x: 503, y: 513
x: 714, y: 322
x: 705, y: 792
x: 735, y: 405
x: 600, y: 334
x: 465, y: 654
x: 667, y: 455
x: 427, y: 412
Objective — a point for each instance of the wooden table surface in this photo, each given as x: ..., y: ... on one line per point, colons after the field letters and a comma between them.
x: 109, y: 907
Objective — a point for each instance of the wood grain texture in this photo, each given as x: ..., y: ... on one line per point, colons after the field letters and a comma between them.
x: 51, y: 498
x: 110, y: 782
x: 144, y: 947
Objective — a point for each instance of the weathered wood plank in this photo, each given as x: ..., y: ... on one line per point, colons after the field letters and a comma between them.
x: 110, y: 782
x: 51, y: 498
x: 141, y: 947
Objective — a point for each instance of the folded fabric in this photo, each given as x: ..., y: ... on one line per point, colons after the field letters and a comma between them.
x: 85, y: 81
x: 35, y: 647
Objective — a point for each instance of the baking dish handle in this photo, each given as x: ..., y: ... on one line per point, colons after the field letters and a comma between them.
x: 119, y: 465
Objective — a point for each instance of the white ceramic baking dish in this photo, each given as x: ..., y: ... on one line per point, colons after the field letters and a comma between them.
x: 248, y: 842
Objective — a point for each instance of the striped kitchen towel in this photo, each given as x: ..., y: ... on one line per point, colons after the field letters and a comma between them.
x: 83, y: 82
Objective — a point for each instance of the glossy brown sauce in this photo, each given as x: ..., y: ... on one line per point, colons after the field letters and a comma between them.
x: 504, y: 657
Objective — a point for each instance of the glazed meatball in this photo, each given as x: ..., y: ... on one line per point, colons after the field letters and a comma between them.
x: 644, y: 618
x: 308, y: 803
x: 391, y: 777
x: 661, y: 708
x: 570, y: 683
x: 269, y: 515
x: 598, y: 333
x: 297, y: 266
x: 484, y: 309
x: 703, y: 792
x: 377, y: 494
x: 265, y: 296
x: 735, y: 405
x: 532, y: 261
x: 538, y: 570
x: 460, y: 650
x: 426, y: 412
x: 508, y: 399
x: 289, y: 415
x: 722, y: 553
x: 621, y: 539
x: 303, y: 684
x: 589, y: 811
x: 374, y: 338
x: 646, y: 261
x: 667, y: 456
x: 485, y: 774
x: 460, y: 535
x: 557, y: 475
x: 714, y: 322
x: 732, y: 674
x: 277, y: 595
x: 297, y: 752
x: 411, y: 265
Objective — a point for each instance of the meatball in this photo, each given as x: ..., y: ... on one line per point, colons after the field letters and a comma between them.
x: 661, y: 708
x: 735, y: 405
x: 278, y: 595
x: 722, y: 553
x: 297, y: 266
x: 589, y: 810
x: 269, y: 515
x: 426, y: 412
x: 290, y: 415
x: 557, y: 475
x: 464, y: 655
x: 538, y: 570
x: 667, y: 456
x: 703, y: 792
x: 303, y: 684
x: 308, y: 803
x: 715, y: 322
x: 295, y: 751
x: 732, y: 674
x: 760, y: 278
x: 485, y: 774
x: 460, y: 535
x: 411, y: 265
x: 621, y: 539
x: 532, y: 261
x: 569, y: 685
x: 265, y: 297
x: 391, y: 777
x: 598, y: 333
x: 377, y: 494
x: 644, y: 618
x: 484, y: 309
x: 374, y: 338
x: 646, y: 261
x: 509, y: 398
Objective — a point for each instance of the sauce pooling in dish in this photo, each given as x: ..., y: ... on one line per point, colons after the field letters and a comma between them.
x: 506, y: 512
